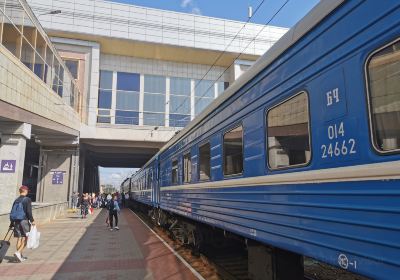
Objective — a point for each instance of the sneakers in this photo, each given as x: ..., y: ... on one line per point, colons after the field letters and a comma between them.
x: 111, y: 229
x: 117, y: 228
x: 18, y: 256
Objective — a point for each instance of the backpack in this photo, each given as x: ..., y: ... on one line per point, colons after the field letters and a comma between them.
x: 17, y: 211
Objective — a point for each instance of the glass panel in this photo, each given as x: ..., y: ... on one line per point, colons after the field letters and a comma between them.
x: 288, y: 133
x: 154, y: 102
x: 204, y: 158
x: 103, y: 119
x: 127, y: 101
x: 15, y: 12
x: 106, y: 79
x: 60, y: 81
x: 179, y: 104
x: 39, y: 66
x: 104, y: 112
x: 73, y: 66
x: 221, y: 86
x: 128, y: 81
x: 154, y: 84
x: 49, y: 69
x: 2, y: 2
x: 384, y: 87
x: 29, y: 30
x: 174, y: 172
x: 204, y: 88
x: 127, y: 117
x: 187, y: 168
x: 201, y: 104
x: 27, y: 54
x: 233, y: 151
x: 11, y: 38
x: 176, y: 120
x: 40, y: 45
x: 180, y: 86
x: 105, y: 99
x: 154, y: 119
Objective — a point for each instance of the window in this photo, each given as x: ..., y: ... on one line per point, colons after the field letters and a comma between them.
x: 105, y: 97
x: 288, y: 133
x: 205, y: 158
x: 154, y: 100
x: 233, y: 151
x: 187, y: 168
x: 127, y: 107
x: 174, y: 172
x: 73, y: 67
x: 204, y: 94
x: 179, y: 104
x: 384, y: 97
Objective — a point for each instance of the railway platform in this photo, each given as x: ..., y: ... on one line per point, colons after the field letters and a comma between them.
x: 75, y: 248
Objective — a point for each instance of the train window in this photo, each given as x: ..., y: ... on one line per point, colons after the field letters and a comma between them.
x: 288, y: 134
x: 175, y: 172
x: 384, y: 97
x: 205, y: 158
x: 233, y: 151
x: 187, y: 168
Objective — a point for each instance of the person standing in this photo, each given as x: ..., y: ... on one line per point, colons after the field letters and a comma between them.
x: 21, y: 220
x: 113, y: 210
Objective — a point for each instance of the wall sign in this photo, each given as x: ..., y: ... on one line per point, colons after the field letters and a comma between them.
x: 57, y: 177
x: 8, y: 166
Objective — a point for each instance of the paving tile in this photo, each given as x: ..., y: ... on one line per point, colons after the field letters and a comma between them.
x: 75, y: 249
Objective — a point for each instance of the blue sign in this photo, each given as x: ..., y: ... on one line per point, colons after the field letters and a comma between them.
x: 58, y: 178
x: 8, y: 166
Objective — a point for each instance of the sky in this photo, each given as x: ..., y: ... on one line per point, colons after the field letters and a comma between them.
x: 292, y: 12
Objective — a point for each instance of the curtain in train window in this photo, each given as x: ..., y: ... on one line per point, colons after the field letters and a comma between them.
x: 187, y: 168
x: 174, y: 172
x: 384, y: 90
x: 288, y: 133
x: 205, y: 158
x: 233, y: 151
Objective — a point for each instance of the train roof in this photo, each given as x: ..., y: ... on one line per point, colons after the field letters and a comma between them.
x: 317, y: 14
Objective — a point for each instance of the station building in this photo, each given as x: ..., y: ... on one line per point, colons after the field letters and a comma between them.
x: 129, y: 77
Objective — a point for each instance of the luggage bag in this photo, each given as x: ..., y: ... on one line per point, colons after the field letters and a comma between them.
x: 4, y: 245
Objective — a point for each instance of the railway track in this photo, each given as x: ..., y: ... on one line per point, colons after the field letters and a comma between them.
x: 229, y: 261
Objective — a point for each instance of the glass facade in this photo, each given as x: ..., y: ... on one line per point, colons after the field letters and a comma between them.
x: 127, y: 107
x: 105, y: 97
x: 179, y: 103
x: 19, y: 34
x: 154, y: 100
x: 204, y: 92
x: 156, y: 110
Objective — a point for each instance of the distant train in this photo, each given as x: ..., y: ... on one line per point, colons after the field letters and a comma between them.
x: 302, y: 152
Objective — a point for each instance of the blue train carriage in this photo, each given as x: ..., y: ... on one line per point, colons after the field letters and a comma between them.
x: 301, y: 153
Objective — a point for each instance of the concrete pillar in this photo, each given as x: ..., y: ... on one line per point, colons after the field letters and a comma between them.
x: 12, y: 157
x: 58, y: 174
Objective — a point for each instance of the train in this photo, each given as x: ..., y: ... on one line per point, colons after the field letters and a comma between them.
x: 302, y: 152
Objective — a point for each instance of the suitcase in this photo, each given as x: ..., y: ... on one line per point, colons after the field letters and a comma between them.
x: 4, y: 245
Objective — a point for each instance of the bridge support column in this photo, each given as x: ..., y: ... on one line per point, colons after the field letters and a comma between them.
x: 58, y: 174
x: 12, y: 157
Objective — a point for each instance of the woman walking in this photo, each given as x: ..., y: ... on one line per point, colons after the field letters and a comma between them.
x: 113, y: 210
x: 84, y: 206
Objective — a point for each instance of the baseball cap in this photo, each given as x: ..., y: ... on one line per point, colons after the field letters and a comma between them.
x: 24, y: 188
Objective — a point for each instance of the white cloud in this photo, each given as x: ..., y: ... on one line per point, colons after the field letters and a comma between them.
x: 116, y: 176
x: 196, y: 11
x: 186, y: 3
